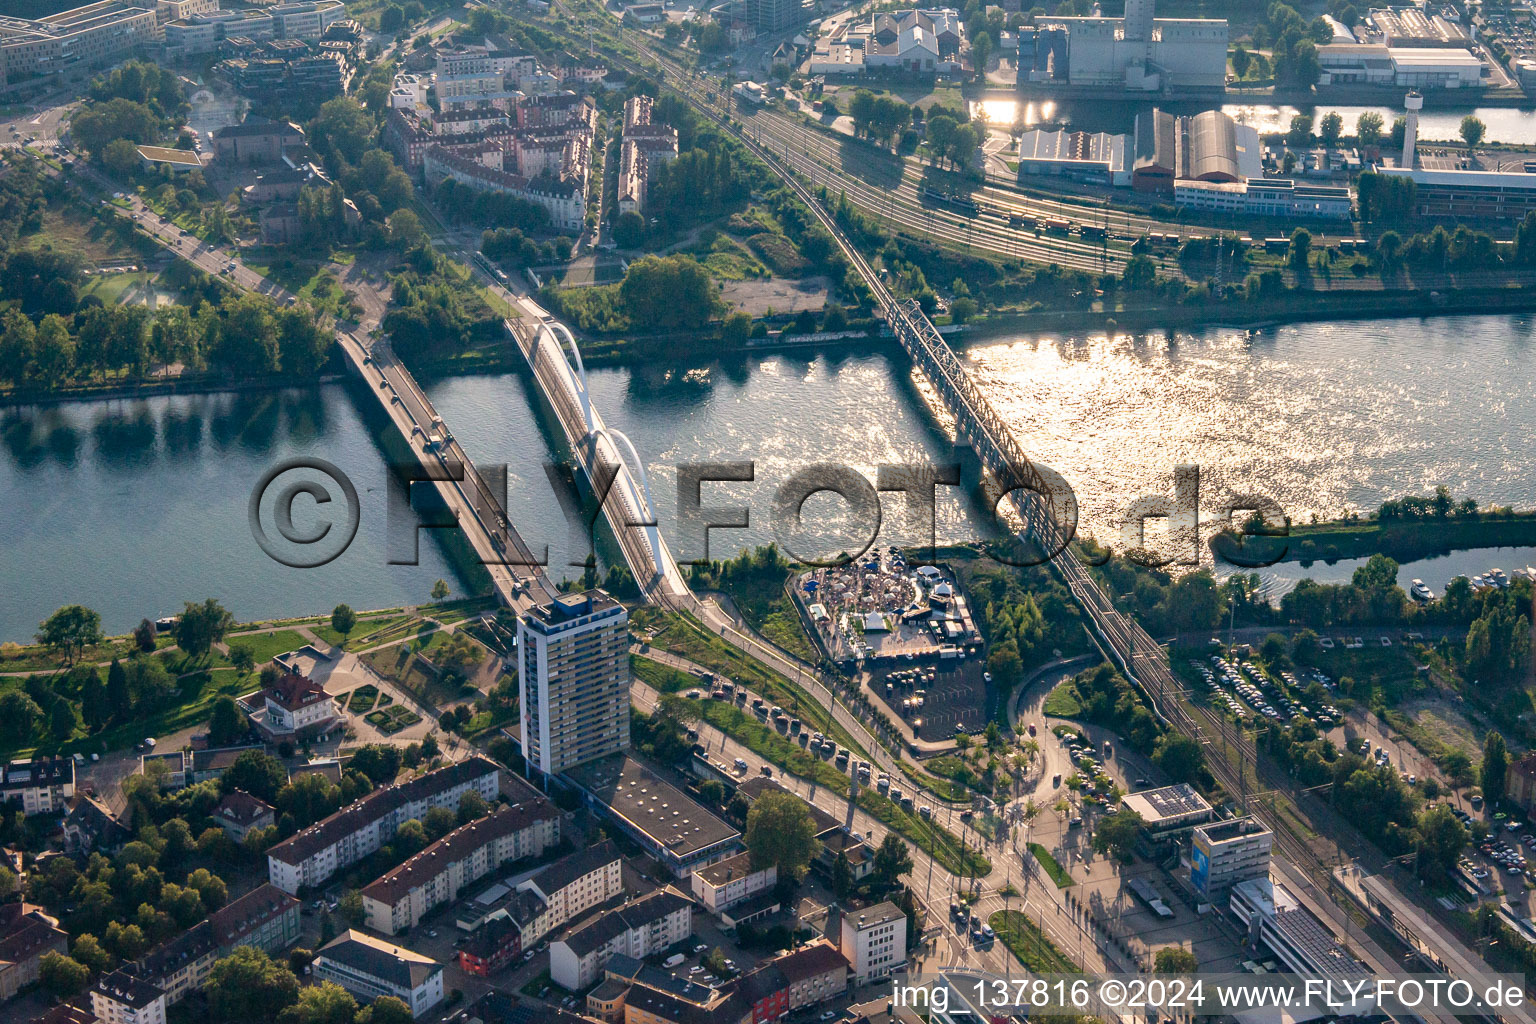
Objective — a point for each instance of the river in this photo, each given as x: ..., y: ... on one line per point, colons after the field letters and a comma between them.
x: 135, y: 507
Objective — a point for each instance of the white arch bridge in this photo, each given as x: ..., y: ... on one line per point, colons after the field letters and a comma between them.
x: 608, y: 457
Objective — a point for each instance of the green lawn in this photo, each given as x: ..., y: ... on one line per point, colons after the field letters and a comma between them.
x: 684, y: 636
x: 1029, y: 943
x: 661, y: 678
x: 1059, y: 874
x: 266, y: 646
x: 367, y: 631
x: 938, y: 842
x: 1062, y: 701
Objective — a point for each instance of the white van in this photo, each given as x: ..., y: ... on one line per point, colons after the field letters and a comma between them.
x: 673, y: 960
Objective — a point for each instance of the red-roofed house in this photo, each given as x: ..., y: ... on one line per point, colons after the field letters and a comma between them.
x: 295, y: 708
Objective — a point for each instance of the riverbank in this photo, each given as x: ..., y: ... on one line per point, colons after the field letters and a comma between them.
x: 1401, y: 540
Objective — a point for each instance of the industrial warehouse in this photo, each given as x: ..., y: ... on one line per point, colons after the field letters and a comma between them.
x: 1137, y: 53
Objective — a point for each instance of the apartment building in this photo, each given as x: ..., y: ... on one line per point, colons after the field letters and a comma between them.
x: 84, y: 37
x: 648, y: 925
x: 266, y: 917
x: 369, y: 968
x: 239, y: 814
x: 574, y: 679
x: 40, y: 785
x: 181, y: 966
x: 577, y: 883
x: 643, y: 147
x: 874, y: 941
x: 352, y: 833
x: 816, y: 972
x: 26, y: 934
x: 120, y: 998
x: 401, y: 897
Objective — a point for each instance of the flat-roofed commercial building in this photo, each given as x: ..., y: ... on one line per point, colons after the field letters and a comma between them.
x: 874, y: 940
x: 1478, y: 195
x: 673, y: 827
x: 1278, y: 922
x: 1271, y: 197
x: 83, y: 37
x: 401, y: 897
x: 1169, y: 812
x: 725, y: 883
x: 574, y: 677
x: 1081, y: 156
x: 352, y: 833
x: 1224, y: 853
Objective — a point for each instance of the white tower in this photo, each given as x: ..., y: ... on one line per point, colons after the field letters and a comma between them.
x: 1413, y: 103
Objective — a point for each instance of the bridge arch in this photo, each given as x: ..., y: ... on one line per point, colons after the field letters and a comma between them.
x: 562, y: 335
x: 623, y: 444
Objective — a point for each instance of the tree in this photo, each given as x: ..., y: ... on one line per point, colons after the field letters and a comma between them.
x: 471, y: 806
x: 144, y: 632
x: 62, y: 976
x: 1300, y: 132
x: 440, y: 590
x: 780, y: 832
x: 325, y: 1003
x: 257, y: 773
x: 70, y: 630
x: 1495, y: 766
x: 386, y: 1010
x: 459, y: 655
x: 1441, y: 838
x: 1180, y: 757
x: 1368, y: 128
x: 19, y: 715
x: 981, y: 49
x: 343, y: 621
x: 439, y: 821
x: 242, y: 657
x: 962, y: 309
x: 1300, y: 251
x: 248, y: 987
x: 892, y: 860
x: 119, y: 698
x: 87, y: 950
x: 842, y: 876
x: 62, y: 721
x: 378, y: 763
x: 1175, y: 960
x: 201, y: 626
x: 1472, y: 131
x: 1115, y: 835
x: 1241, y: 61
x: 226, y: 724
x: 1331, y: 129
x: 629, y: 230
x: 405, y: 230
x: 668, y: 292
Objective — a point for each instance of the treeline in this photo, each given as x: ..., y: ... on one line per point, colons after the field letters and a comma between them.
x: 464, y: 204
x: 513, y: 248
x: 658, y: 293
x: 431, y: 317
x: 138, y: 101
x: 241, y: 336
